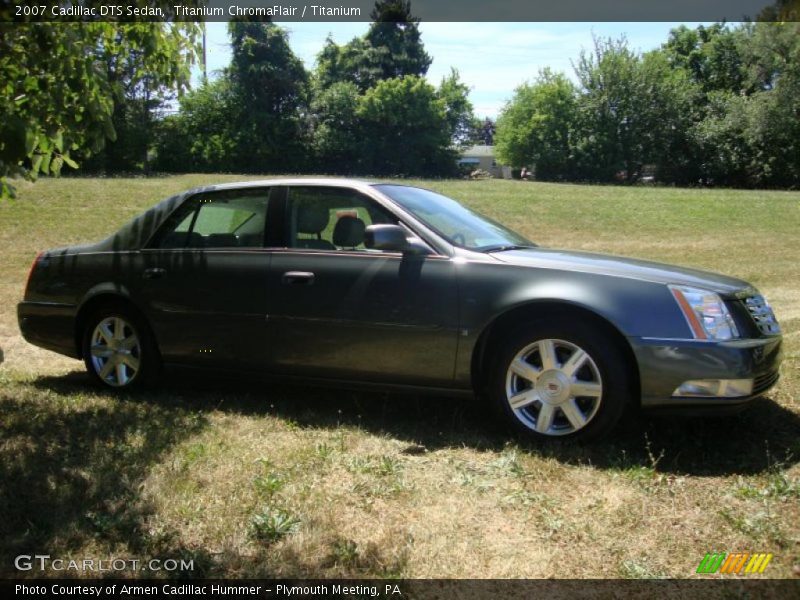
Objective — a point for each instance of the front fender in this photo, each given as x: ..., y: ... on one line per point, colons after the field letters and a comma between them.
x: 636, y: 308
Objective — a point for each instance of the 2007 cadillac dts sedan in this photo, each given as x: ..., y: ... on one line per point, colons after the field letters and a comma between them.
x: 395, y: 286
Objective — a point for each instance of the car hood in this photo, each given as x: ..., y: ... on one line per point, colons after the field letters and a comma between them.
x: 618, y: 266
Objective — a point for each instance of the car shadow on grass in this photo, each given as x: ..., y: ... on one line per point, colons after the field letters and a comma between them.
x: 71, y: 467
x: 763, y: 437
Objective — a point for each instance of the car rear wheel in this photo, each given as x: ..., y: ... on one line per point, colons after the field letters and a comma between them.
x: 118, y: 349
x: 560, y: 379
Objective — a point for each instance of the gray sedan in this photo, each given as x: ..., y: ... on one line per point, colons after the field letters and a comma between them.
x: 390, y: 286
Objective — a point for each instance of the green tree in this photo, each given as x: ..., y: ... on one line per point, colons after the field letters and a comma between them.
x: 669, y: 103
x: 139, y: 93
x: 722, y: 137
x: 271, y: 87
x: 200, y: 137
x: 394, y: 45
x: 711, y: 55
x: 372, y: 112
x: 391, y: 48
x: 630, y: 111
x: 400, y: 126
x: 404, y: 129
x: 536, y: 126
x: 753, y: 139
x: 337, y: 134
x: 343, y: 64
x: 459, y: 116
x: 57, y: 102
x: 610, y: 124
x: 775, y: 126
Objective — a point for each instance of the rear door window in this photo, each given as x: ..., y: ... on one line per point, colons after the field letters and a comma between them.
x: 218, y: 220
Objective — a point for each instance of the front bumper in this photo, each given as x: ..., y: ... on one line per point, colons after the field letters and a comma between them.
x: 666, y: 364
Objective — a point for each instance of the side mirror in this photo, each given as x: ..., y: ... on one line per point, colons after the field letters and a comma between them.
x: 392, y: 238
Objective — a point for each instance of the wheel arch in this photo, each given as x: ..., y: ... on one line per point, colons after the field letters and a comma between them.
x: 493, y: 331
x: 104, y: 297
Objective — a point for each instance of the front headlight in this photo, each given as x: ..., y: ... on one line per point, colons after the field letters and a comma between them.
x: 706, y: 313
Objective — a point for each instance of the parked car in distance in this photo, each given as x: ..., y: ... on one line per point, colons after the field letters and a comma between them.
x: 396, y: 287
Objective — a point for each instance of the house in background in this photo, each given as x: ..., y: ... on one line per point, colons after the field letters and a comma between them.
x: 482, y: 157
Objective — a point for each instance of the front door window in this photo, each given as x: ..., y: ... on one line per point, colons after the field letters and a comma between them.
x: 323, y: 218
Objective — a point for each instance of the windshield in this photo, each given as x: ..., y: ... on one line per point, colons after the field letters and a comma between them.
x: 456, y: 223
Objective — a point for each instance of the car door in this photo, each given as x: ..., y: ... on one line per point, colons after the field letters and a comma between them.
x: 340, y: 310
x: 204, y: 280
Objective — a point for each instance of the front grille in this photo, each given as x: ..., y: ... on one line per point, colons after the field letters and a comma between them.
x: 765, y: 381
x: 762, y: 315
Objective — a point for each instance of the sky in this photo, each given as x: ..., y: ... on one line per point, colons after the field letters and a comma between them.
x: 492, y: 58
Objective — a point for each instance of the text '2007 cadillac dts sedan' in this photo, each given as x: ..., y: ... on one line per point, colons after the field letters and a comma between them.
x: 399, y: 287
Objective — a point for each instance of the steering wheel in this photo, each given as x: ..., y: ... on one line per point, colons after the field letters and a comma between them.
x: 459, y: 239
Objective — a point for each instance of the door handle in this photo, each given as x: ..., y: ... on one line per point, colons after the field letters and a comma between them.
x: 154, y: 273
x: 297, y: 278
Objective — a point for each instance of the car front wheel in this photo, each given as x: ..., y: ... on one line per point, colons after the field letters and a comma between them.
x: 560, y: 379
x: 118, y: 349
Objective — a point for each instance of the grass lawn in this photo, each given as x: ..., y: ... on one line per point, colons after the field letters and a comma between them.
x: 254, y: 480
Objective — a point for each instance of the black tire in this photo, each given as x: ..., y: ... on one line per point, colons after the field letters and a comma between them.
x: 607, y: 366
x: 144, y: 355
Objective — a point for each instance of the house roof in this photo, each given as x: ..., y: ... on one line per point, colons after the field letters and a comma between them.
x: 478, y: 151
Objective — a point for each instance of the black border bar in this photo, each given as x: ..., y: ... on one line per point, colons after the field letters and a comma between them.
x: 404, y: 589
x: 426, y: 10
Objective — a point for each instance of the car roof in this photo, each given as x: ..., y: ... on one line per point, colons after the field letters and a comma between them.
x: 328, y: 181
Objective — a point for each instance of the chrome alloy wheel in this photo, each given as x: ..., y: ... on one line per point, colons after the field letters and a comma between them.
x: 553, y: 387
x: 115, y: 351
